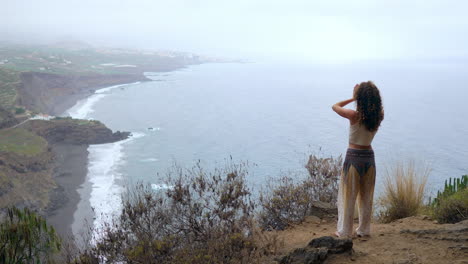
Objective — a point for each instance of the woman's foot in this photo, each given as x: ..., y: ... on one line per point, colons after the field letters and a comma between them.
x: 337, y: 234
x: 361, y: 235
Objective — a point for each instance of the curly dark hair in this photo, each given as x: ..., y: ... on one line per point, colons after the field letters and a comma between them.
x: 369, y: 105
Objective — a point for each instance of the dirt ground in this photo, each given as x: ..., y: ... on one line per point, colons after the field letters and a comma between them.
x: 410, y: 240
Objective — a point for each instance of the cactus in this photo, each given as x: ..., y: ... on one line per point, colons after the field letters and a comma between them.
x: 449, y: 189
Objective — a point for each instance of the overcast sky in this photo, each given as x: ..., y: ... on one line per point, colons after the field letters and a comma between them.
x: 312, y: 30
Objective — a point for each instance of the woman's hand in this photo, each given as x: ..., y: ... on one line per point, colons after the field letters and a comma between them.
x: 355, y: 90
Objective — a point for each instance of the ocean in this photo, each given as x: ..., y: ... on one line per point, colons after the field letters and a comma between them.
x: 272, y: 116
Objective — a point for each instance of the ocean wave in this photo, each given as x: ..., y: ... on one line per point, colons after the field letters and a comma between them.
x: 83, y: 108
x: 108, y: 89
x: 162, y: 186
x: 105, y: 161
x: 149, y: 160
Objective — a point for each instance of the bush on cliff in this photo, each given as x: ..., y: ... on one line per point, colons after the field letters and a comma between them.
x: 451, y: 205
x: 290, y: 201
x: 19, y: 110
x: 404, y: 191
x: 203, y: 217
x: 26, y: 238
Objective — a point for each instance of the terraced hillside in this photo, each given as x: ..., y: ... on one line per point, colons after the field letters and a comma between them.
x: 9, y: 80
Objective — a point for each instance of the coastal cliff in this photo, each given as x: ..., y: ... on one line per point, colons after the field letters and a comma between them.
x: 29, y: 164
x: 52, y: 93
x: 44, y: 162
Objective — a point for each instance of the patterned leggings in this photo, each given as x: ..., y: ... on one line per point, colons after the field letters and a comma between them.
x: 357, y: 182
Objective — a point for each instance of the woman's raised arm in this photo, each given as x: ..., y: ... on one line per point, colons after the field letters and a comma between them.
x: 344, y: 112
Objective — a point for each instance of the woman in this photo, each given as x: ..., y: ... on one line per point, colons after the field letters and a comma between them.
x: 358, y: 175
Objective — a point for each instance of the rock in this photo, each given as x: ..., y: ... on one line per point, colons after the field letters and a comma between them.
x: 455, y: 232
x: 322, y: 209
x: 402, y: 261
x: 306, y: 256
x: 312, y: 219
x: 75, y: 131
x: 334, y: 245
x: 318, y: 250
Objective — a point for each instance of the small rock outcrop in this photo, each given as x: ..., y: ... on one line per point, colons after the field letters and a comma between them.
x: 454, y: 232
x: 323, y: 210
x: 75, y: 132
x: 317, y: 251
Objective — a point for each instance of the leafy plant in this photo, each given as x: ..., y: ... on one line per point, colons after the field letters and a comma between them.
x: 26, y: 238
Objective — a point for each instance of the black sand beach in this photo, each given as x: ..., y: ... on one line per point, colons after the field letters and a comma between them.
x: 70, y: 173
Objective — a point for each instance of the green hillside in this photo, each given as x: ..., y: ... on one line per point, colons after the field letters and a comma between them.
x: 22, y: 142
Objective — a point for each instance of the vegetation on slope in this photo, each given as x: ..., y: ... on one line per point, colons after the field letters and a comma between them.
x: 9, y: 79
x: 289, y: 201
x: 22, y: 142
x: 25, y: 237
x: 451, y: 205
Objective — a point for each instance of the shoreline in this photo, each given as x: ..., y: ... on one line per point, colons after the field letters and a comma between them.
x: 70, y: 174
x: 70, y: 212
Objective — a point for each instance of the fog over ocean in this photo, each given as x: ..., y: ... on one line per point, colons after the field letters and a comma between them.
x: 273, y: 116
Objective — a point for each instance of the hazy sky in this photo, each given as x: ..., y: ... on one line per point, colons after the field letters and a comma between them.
x: 313, y: 30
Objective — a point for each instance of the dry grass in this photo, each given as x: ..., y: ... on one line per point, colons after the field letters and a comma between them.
x: 404, y: 191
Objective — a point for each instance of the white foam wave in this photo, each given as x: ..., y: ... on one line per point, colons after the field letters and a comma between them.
x: 162, y: 186
x: 83, y: 108
x: 108, y: 89
x: 103, y: 174
x: 136, y: 135
x: 149, y: 160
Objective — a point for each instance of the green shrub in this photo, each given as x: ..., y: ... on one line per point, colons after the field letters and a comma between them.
x: 450, y: 188
x: 451, y: 205
x: 452, y: 209
x: 19, y: 110
x: 289, y: 201
x: 26, y: 238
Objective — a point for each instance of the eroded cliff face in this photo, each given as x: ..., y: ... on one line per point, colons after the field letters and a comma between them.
x: 30, y: 180
x: 25, y: 181
x: 54, y: 93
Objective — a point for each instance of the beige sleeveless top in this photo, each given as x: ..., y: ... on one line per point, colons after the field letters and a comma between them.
x: 359, y: 135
